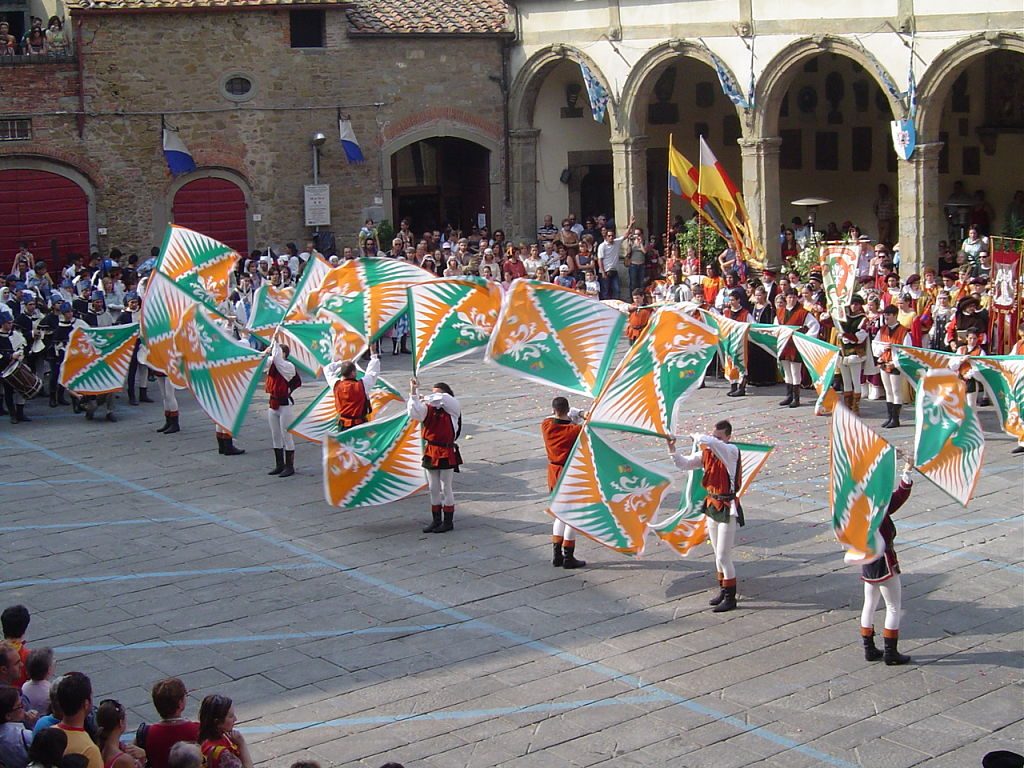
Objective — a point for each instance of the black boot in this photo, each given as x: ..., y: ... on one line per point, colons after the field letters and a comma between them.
x: 435, y: 519
x: 61, y: 400
x: 143, y: 397
x: 289, y: 464
x: 732, y: 389
x: 871, y: 652
x: 896, y: 408
x: 53, y: 399
x: 728, y: 599
x: 229, y: 449
x: 741, y: 390
x: 20, y: 410
x: 132, y: 399
x: 888, y: 422
x: 172, y: 425
x: 14, y: 414
x: 789, y: 396
x: 167, y: 422
x: 721, y: 591
x: 568, y: 559
x: 447, y: 522
x: 278, y: 462
x: 1017, y: 451
x: 892, y: 655
x: 220, y: 445
x: 796, y: 397
x: 76, y: 405
x: 405, y: 346
x: 556, y: 556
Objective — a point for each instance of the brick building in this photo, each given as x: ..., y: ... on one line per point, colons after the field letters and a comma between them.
x: 247, y: 85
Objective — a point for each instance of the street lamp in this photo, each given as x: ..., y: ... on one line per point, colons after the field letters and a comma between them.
x: 316, y: 142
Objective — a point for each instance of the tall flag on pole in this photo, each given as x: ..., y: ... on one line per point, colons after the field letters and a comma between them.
x: 683, y: 177
x: 729, y: 85
x: 948, y: 441
x: 179, y: 159
x: 556, y: 336
x: 349, y: 143
x: 715, y: 185
x: 839, y: 273
x: 1004, y: 379
x: 607, y: 495
x: 862, y: 473
x: 198, y: 265
x: 597, y: 93
x: 664, y: 366
x: 97, y: 359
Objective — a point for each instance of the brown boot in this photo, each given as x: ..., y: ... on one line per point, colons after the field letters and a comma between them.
x: 856, y: 403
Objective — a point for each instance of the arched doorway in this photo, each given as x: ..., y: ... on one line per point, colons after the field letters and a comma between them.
x: 441, y: 180
x: 834, y: 123
x: 46, y: 210
x: 216, y: 207
x: 678, y: 95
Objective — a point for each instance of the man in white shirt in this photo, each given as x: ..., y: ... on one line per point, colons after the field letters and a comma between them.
x: 609, y: 255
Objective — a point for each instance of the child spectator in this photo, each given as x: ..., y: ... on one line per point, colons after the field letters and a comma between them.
x: 564, y: 279
x: 14, y: 621
x: 47, y: 749
x: 56, y: 713
x: 639, y: 316
x: 74, y: 692
x: 222, y: 746
x: 169, y: 699
x: 591, y: 286
x: 185, y: 754
x: 36, y: 690
x: 15, y: 739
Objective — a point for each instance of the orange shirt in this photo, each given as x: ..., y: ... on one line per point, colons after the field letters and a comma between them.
x: 638, y: 320
x: 716, y: 479
x: 559, y: 438
x: 350, y: 401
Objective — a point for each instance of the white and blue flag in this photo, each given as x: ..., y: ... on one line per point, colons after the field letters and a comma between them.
x: 179, y: 159
x: 349, y: 143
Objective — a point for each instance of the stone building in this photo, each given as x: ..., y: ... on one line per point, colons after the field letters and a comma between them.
x: 247, y: 84
x: 826, y: 76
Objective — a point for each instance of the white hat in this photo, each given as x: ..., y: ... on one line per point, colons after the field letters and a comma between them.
x: 447, y: 245
x: 564, y: 268
x: 488, y: 250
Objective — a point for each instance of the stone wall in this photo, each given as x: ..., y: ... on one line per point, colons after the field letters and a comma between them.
x: 140, y: 65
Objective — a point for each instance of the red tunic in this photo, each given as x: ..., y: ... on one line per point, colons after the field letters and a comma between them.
x: 559, y: 438
x: 351, y: 402
x: 638, y: 320
x: 717, y: 482
x: 278, y: 389
x: 888, y: 565
x: 439, y: 449
x: 797, y: 318
x: 895, y: 335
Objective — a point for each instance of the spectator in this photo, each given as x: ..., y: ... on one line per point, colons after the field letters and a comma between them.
x: 15, y: 621
x: 169, y: 699
x: 609, y: 255
x: 35, y: 43
x: 47, y: 748
x: 547, y: 231
x: 110, y: 718
x: 74, y: 693
x: 563, y: 278
x: 56, y: 40
x: 222, y: 746
x: 36, y: 690
x: 184, y: 754
x: 8, y: 45
x: 56, y: 713
x: 15, y: 739
x: 12, y: 668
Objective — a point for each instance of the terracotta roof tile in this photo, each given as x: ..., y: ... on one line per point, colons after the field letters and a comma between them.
x: 417, y: 17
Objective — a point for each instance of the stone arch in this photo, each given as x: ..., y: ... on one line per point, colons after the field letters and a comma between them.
x: 945, y: 68
x: 446, y: 128
x: 163, y: 205
x: 632, y: 121
x: 530, y: 78
x: 776, y: 77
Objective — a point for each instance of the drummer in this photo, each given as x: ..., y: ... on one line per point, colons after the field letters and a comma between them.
x: 12, y: 351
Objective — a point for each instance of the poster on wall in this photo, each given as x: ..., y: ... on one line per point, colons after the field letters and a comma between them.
x: 1006, y: 293
x: 317, y: 198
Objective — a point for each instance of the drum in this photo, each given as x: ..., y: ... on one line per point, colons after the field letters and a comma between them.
x: 20, y: 377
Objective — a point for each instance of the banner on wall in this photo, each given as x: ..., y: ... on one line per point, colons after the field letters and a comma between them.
x: 1004, y: 312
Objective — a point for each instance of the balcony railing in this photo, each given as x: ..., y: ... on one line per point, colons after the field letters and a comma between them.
x: 36, y: 59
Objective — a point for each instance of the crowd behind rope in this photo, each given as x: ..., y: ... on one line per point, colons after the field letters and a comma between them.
x: 945, y: 307
x: 52, y: 721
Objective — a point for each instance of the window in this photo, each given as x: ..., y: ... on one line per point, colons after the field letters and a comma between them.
x: 307, y: 29
x: 15, y: 130
x: 237, y: 86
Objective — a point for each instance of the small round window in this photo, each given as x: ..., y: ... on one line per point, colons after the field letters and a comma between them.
x: 238, y: 87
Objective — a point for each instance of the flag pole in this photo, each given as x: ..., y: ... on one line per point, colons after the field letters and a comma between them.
x: 668, y: 205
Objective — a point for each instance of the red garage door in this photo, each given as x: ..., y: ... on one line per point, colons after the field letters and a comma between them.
x: 216, y: 208
x: 48, y: 211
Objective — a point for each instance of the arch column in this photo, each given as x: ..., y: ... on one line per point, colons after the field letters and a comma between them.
x: 629, y: 168
x: 921, y: 219
x: 523, y: 182
x: 760, y: 159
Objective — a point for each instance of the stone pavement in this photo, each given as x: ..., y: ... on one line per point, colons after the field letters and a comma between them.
x: 351, y: 638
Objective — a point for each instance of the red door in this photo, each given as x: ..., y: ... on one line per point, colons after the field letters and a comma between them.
x: 215, y: 208
x: 48, y: 211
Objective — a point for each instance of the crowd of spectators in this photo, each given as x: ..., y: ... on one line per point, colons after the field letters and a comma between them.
x: 49, y: 721
x: 37, y: 40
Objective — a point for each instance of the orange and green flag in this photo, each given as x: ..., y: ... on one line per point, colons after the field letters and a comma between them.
x: 97, y: 359
x: 451, y: 318
x: 821, y: 359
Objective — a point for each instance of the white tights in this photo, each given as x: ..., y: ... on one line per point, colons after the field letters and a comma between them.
x: 279, y: 420
x: 893, y: 387
x: 892, y: 592
x: 167, y: 393
x: 851, y: 375
x: 562, y: 531
x: 791, y: 372
x: 722, y: 536
x: 439, y: 483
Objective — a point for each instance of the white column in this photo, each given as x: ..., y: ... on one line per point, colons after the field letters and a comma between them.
x: 761, y: 192
x: 629, y: 168
x: 523, y: 170
x: 922, y: 222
